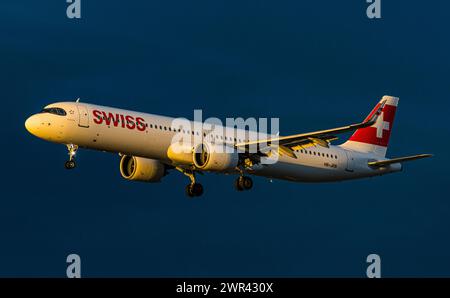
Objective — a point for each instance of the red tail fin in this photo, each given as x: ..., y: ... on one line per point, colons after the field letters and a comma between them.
x: 376, y: 137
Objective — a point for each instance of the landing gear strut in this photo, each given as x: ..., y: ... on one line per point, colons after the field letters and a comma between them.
x: 193, y: 189
x: 243, y: 183
x: 70, y: 164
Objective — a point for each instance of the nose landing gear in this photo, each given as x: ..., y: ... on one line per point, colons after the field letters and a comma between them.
x: 70, y: 164
x: 243, y: 183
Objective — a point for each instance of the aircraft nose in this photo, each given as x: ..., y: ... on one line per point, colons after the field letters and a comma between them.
x: 31, y: 124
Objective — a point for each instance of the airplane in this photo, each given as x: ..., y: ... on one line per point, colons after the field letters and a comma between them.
x: 147, y: 152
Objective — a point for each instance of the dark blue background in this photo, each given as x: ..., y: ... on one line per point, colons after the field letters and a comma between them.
x: 314, y: 64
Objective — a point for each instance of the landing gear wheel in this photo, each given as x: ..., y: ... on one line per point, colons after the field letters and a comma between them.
x: 243, y: 183
x: 70, y: 164
x: 237, y: 184
x: 194, y: 190
x: 247, y: 183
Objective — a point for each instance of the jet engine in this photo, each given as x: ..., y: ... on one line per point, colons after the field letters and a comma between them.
x: 213, y: 157
x: 141, y: 169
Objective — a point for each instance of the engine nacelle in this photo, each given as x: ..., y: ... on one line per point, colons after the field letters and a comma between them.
x: 212, y: 157
x: 181, y: 153
x: 141, y: 169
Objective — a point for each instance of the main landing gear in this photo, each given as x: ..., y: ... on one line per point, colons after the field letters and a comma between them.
x: 193, y: 189
x: 70, y: 164
x: 243, y: 183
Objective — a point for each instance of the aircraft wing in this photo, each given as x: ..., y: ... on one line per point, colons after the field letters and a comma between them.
x: 387, y: 162
x: 287, y: 144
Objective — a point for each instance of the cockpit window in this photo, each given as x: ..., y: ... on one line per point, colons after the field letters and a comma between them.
x: 56, y: 111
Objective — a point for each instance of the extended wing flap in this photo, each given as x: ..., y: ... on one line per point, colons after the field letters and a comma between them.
x: 286, y: 151
x: 386, y: 162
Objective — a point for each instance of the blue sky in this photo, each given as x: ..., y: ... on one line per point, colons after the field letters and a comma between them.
x: 313, y: 64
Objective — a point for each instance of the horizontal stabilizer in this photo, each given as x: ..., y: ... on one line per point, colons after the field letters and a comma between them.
x: 386, y: 162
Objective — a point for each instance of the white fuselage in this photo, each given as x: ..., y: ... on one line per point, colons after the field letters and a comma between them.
x: 148, y: 136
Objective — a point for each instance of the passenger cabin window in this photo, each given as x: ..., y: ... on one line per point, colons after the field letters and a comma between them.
x: 55, y: 111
